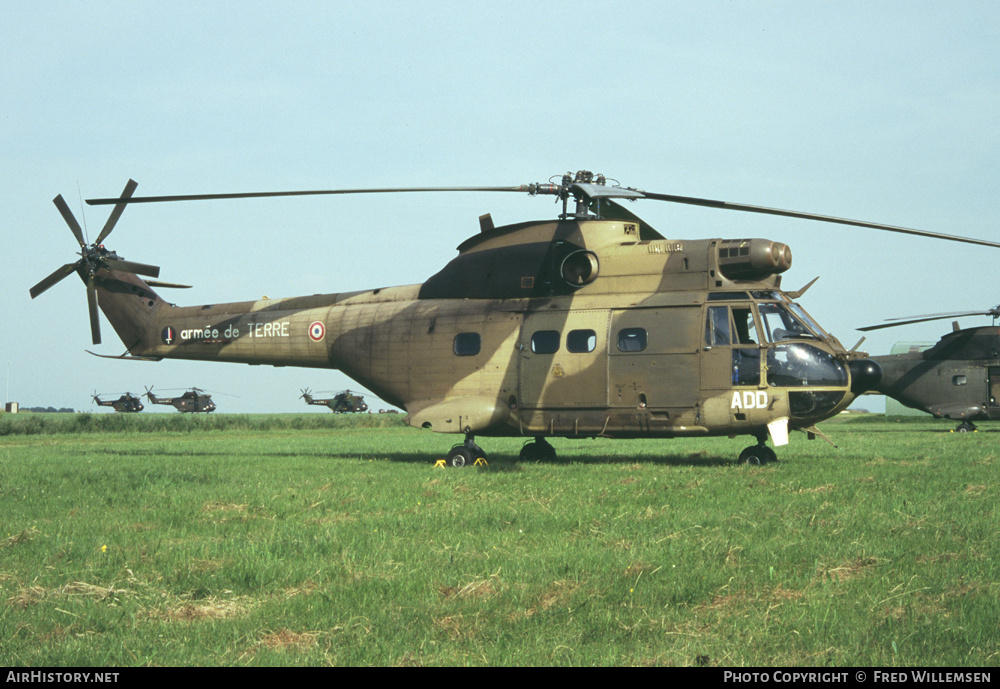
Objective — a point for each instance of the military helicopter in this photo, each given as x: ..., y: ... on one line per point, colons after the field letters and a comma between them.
x: 958, y: 378
x: 342, y: 402
x: 590, y: 324
x: 194, y: 400
x: 127, y: 403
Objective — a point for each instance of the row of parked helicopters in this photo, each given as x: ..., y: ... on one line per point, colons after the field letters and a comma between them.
x: 198, y: 400
x: 589, y: 324
x: 193, y: 401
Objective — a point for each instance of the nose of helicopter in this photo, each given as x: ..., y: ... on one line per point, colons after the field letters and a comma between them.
x: 865, y: 375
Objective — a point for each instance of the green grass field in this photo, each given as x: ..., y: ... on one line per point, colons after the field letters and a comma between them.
x: 315, y: 539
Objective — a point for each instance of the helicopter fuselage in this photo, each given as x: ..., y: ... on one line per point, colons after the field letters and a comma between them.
x: 190, y: 402
x: 560, y: 328
x: 958, y: 378
x: 126, y: 403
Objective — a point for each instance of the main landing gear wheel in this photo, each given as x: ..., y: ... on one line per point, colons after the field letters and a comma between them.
x: 757, y: 455
x: 965, y: 427
x: 538, y: 450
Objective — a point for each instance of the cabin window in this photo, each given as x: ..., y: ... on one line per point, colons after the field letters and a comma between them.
x: 545, y: 342
x: 581, y: 341
x: 467, y: 344
x: 631, y: 339
x: 959, y: 380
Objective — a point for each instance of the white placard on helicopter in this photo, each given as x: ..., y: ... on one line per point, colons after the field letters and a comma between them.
x: 750, y: 399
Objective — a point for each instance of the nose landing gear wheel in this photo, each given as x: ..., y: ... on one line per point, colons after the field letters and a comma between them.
x: 459, y: 456
x: 465, y: 454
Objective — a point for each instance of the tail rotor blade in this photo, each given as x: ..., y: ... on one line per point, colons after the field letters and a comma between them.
x: 52, y: 279
x: 95, y: 322
x: 68, y: 216
x: 117, y: 211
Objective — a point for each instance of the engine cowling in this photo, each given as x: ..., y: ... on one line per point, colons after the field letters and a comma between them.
x: 753, y: 259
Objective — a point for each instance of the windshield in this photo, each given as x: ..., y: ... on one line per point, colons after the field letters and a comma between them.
x: 797, y: 364
x: 813, y: 325
x: 781, y: 324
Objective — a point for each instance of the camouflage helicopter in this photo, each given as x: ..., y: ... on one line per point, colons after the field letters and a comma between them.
x: 194, y: 400
x: 590, y: 324
x: 341, y: 403
x: 127, y: 403
x: 958, y: 378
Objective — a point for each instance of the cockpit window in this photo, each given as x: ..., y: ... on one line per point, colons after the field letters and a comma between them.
x: 745, y: 329
x: 717, y: 326
x: 780, y: 324
x: 741, y: 329
x: 797, y: 364
x: 805, y: 317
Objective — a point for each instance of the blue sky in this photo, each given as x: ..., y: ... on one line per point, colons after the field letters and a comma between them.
x: 879, y: 111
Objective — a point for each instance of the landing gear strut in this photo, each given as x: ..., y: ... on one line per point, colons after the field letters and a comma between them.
x: 758, y: 454
x: 466, y: 453
x: 538, y: 450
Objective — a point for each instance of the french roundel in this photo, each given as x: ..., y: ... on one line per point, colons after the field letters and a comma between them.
x: 317, y: 331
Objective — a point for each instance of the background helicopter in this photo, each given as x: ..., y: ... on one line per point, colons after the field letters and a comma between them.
x: 194, y: 400
x: 127, y: 403
x: 958, y: 378
x: 342, y: 402
x: 592, y: 324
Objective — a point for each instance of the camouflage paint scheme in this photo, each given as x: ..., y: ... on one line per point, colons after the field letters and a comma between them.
x: 341, y: 403
x: 958, y: 378
x: 507, y: 284
x: 127, y: 403
x: 192, y: 401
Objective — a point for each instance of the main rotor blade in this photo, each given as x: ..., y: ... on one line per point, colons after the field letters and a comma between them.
x: 117, y: 211
x: 929, y: 317
x: 525, y: 188
x: 893, y: 325
x: 588, y: 191
x: 725, y: 205
x: 67, y: 215
x: 132, y: 267
x: 952, y: 314
x: 52, y: 279
x: 95, y: 321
